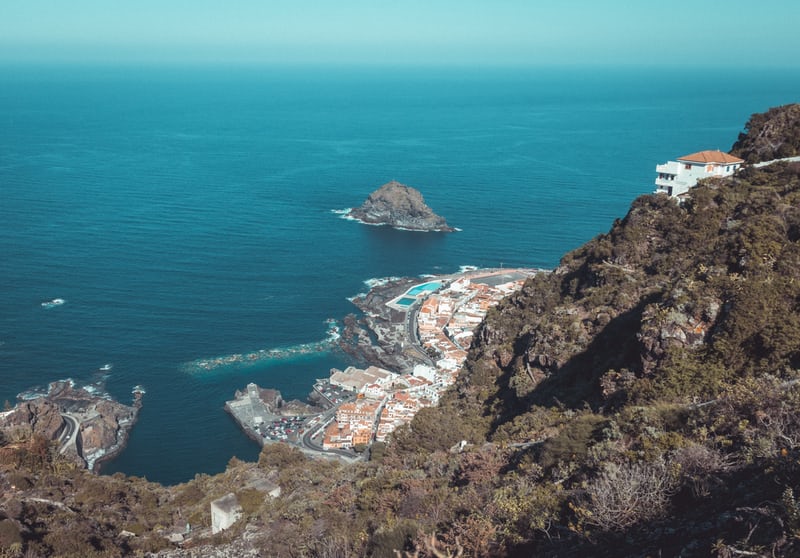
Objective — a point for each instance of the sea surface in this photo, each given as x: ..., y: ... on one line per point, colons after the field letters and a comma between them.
x: 190, y: 213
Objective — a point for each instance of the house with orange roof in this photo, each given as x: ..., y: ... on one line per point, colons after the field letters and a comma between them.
x: 675, y: 178
x: 357, y: 411
x: 337, y: 436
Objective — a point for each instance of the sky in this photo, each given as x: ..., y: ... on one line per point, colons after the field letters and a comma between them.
x: 414, y: 32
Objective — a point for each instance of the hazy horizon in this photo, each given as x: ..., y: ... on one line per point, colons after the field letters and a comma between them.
x: 358, y: 32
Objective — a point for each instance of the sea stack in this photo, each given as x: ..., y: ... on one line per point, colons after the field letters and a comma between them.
x: 401, y: 207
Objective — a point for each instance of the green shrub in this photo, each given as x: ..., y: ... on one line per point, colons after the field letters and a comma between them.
x: 574, y: 440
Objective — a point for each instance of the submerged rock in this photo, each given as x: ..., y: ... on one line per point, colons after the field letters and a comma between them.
x: 401, y: 207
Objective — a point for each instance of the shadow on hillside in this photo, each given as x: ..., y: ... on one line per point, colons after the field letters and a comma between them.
x: 576, y: 383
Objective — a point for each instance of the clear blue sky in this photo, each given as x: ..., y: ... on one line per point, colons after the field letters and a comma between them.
x: 531, y: 32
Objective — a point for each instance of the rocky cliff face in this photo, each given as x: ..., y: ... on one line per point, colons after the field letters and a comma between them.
x: 399, y: 206
x: 39, y: 416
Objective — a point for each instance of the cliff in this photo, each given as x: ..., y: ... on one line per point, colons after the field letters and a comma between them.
x: 399, y: 206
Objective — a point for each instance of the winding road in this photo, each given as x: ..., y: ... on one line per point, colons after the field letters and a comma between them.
x: 69, y: 436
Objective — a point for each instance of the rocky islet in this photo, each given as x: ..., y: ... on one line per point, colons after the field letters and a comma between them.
x: 401, y: 207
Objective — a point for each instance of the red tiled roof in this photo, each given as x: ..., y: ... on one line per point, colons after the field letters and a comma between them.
x: 710, y: 156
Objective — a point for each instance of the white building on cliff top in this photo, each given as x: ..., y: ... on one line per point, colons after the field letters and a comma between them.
x: 676, y: 177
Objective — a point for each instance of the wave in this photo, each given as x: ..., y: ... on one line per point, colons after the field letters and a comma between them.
x: 95, y: 388
x: 380, y: 281
x: 345, y: 214
x: 206, y: 365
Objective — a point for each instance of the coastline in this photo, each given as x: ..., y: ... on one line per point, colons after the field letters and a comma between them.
x: 412, y: 334
x: 123, y: 436
x: 89, y: 427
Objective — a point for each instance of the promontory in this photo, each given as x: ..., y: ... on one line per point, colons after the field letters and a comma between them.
x: 401, y: 207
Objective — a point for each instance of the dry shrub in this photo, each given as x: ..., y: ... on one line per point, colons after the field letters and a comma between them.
x: 697, y: 459
x: 623, y: 495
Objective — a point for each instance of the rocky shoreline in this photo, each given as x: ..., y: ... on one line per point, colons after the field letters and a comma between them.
x: 378, y: 336
x: 87, y: 425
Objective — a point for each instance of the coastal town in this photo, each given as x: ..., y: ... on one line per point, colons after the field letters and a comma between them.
x: 427, y: 325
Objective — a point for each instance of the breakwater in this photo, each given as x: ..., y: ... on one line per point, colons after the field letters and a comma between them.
x: 206, y: 365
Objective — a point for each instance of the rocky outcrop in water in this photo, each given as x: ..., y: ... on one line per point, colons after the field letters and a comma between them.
x: 401, y: 207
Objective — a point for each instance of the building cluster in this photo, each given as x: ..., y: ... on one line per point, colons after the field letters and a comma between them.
x: 385, y: 400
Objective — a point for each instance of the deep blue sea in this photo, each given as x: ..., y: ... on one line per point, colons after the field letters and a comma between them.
x: 187, y: 213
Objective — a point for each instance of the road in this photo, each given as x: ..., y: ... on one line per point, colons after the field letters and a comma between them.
x: 411, y: 333
x: 70, y: 434
x: 308, y: 444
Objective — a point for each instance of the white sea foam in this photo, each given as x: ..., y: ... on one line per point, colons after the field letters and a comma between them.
x: 466, y: 268
x: 30, y: 395
x: 96, y: 389
x: 380, y: 281
x: 345, y: 214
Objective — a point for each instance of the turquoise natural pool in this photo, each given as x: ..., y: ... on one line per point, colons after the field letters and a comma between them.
x: 425, y: 287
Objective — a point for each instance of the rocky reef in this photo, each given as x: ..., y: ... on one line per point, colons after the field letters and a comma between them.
x: 401, y: 207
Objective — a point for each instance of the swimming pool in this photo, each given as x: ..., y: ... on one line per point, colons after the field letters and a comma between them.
x: 425, y: 287
x: 405, y: 301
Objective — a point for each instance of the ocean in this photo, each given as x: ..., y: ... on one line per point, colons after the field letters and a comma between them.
x: 190, y: 213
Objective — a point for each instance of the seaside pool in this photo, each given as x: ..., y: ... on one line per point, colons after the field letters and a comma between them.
x: 405, y: 301
x: 425, y: 287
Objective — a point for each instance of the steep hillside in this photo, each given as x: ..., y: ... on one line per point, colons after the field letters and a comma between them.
x: 771, y: 135
x: 647, y: 386
x: 643, y: 399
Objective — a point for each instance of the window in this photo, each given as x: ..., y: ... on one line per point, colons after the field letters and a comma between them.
x: 687, y: 166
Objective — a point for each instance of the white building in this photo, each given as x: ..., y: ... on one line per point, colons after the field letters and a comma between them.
x: 354, y: 379
x: 427, y: 372
x: 225, y: 512
x: 676, y: 177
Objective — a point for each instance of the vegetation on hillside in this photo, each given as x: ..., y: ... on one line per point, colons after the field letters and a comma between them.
x: 642, y: 399
x: 774, y: 134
